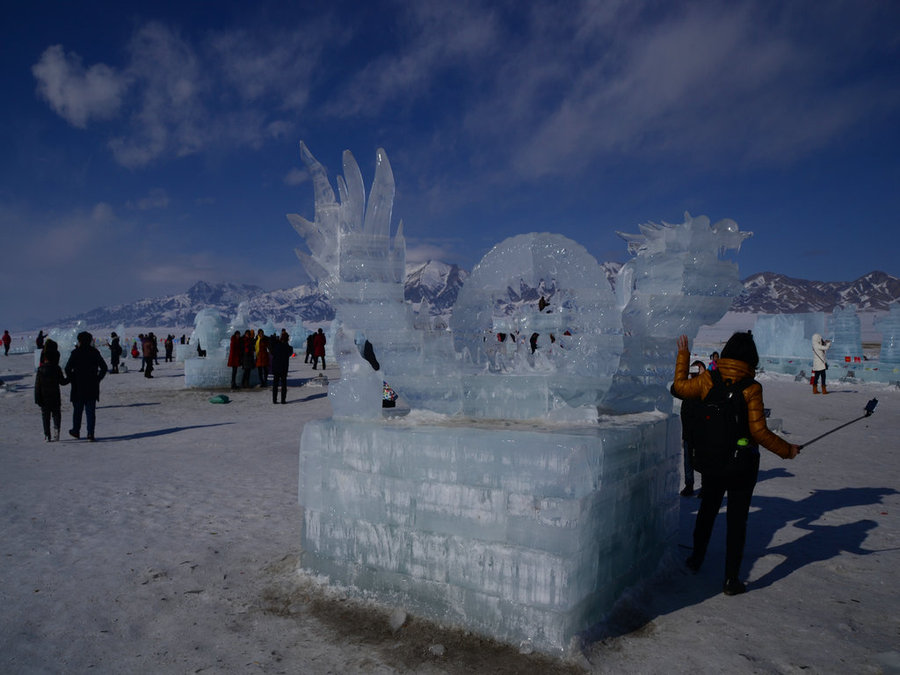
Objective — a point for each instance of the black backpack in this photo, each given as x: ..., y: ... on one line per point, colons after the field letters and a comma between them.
x: 720, y: 436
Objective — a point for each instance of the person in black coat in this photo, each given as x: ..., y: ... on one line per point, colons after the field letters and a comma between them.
x: 85, y: 368
x: 46, y: 389
x: 281, y: 352
x: 115, y: 351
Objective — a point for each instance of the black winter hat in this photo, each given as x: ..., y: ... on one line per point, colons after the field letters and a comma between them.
x: 741, y: 347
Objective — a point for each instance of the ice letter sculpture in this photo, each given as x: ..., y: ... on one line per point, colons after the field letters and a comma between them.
x: 522, y: 509
x: 846, y: 334
x: 889, y: 325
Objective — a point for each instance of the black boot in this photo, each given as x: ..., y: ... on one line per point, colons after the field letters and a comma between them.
x: 733, y: 586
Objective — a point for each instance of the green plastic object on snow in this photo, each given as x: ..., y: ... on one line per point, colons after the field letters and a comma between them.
x: 220, y: 398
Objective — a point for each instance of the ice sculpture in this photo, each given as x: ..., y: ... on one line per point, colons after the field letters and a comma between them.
x: 209, y: 370
x: 676, y: 282
x: 889, y: 326
x: 846, y: 334
x: 66, y: 340
x: 787, y: 335
x: 522, y: 510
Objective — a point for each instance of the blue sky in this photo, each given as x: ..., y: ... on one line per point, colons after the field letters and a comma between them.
x: 147, y: 147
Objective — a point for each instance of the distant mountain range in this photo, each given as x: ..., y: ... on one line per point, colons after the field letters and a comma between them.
x: 432, y: 288
x: 769, y: 293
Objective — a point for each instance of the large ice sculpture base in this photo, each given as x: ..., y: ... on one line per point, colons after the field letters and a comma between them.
x: 516, y: 531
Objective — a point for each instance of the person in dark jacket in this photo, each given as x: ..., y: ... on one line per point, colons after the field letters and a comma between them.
x: 170, y: 347
x: 85, y: 368
x: 115, y: 351
x: 281, y: 360
x: 688, y: 421
x: 309, y: 347
x: 46, y: 389
x: 738, y: 362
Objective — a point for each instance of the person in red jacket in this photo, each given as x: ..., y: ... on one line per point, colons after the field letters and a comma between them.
x: 319, y: 349
x: 7, y: 339
x: 235, y: 356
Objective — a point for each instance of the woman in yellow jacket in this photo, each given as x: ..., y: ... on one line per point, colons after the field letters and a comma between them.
x: 738, y: 361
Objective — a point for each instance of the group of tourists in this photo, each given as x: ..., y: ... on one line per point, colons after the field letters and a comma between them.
x: 264, y: 354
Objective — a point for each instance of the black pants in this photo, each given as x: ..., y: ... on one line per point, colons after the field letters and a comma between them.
x: 276, y: 379
x: 739, y: 487
x: 234, y: 370
x: 46, y: 414
x: 816, y: 375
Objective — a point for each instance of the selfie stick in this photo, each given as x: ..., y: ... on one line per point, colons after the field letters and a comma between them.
x: 870, y: 408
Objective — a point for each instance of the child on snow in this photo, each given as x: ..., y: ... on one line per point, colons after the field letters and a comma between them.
x: 46, y: 388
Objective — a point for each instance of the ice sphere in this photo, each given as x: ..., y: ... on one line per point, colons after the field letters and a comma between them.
x: 846, y: 334
x: 787, y: 335
x: 889, y: 326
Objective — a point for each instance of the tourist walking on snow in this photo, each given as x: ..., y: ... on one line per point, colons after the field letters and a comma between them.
x: 820, y: 361
x: 319, y: 348
x: 147, y: 349
x: 7, y: 339
x: 170, y: 346
x: 46, y: 389
x: 248, y: 358
x: 309, y: 347
x: 85, y: 368
x: 262, y: 358
x: 281, y: 360
x: 115, y: 351
x: 235, y: 356
x: 738, y: 362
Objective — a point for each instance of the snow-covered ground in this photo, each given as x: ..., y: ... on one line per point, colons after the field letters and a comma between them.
x: 171, y: 544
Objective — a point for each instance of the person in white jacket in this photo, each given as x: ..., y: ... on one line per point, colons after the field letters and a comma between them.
x: 819, y: 347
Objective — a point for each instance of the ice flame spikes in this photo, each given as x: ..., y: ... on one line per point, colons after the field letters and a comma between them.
x: 356, y: 192
x: 381, y: 198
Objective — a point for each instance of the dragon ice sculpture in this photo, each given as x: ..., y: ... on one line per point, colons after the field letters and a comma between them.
x: 617, y: 350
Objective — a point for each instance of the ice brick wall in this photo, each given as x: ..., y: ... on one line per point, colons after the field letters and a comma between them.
x: 518, y: 533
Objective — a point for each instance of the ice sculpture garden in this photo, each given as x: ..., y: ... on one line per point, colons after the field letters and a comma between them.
x: 784, y: 344
x: 525, y: 490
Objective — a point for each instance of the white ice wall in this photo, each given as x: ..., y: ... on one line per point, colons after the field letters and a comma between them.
x: 521, y: 533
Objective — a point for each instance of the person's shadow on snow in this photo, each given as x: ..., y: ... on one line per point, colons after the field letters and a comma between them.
x: 822, y: 542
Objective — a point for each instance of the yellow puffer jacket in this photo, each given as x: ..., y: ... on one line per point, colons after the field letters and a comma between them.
x: 732, y: 371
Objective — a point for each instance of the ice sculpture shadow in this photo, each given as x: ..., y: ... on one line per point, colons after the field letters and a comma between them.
x: 161, y: 432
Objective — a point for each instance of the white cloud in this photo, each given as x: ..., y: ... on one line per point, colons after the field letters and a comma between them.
x: 296, y: 177
x: 76, y: 94
x: 156, y: 199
